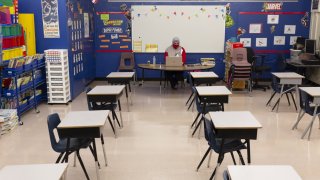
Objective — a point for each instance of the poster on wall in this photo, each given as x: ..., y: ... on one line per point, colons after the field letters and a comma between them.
x: 50, y: 18
x: 86, y: 25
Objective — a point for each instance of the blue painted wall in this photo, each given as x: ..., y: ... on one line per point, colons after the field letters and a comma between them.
x: 108, y: 62
x: 79, y: 81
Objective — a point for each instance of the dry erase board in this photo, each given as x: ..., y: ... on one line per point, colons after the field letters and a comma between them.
x: 201, y: 29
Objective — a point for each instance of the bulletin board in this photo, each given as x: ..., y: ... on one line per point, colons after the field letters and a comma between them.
x: 113, y: 34
x: 201, y: 29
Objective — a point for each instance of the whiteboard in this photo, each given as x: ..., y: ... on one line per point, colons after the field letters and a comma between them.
x: 201, y: 29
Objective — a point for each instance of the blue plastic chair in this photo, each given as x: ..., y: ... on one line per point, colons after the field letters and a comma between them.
x: 306, y: 107
x: 60, y: 146
x: 229, y: 146
x: 209, y: 107
x: 288, y: 89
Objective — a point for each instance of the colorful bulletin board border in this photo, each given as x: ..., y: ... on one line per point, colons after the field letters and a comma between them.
x: 113, y: 35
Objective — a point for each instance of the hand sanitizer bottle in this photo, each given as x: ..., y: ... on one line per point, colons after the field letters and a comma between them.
x: 154, y: 60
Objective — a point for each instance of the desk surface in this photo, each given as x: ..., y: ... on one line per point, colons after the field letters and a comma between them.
x: 121, y: 75
x: 83, y: 119
x: 212, y: 90
x: 299, y: 64
x: 288, y: 75
x: 263, y: 172
x: 234, y: 120
x: 33, y: 172
x: 106, y: 90
x: 163, y: 67
x: 312, y: 91
x: 203, y: 75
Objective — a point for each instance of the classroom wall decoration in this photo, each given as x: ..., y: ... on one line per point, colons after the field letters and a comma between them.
x: 246, y: 42
x: 279, y: 40
x: 50, y: 18
x: 255, y: 28
x: 115, y: 36
x: 273, y: 19
x: 293, y: 40
x: 261, y: 42
x: 290, y: 29
x: 229, y: 19
x: 157, y: 25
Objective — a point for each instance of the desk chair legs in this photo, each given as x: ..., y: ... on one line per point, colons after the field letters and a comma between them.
x: 104, y: 151
x: 191, y: 95
x: 274, y: 93
x: 82, y: 165
x: 300, y: 115
x: 113, y: 128
x: 210, y: 154
x: 199, y: 123
x: 120, y: 114
x: 203, y: 158
x: 195, y: 120
x: 309, y: 128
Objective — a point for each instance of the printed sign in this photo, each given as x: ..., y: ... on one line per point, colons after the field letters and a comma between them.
x: 50, y: 18
x: 272, y: 6
x: 112, y: 30
x: 86, y: 25
x: 113, y: 22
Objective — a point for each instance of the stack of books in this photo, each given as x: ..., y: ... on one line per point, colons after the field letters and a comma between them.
x: 8, y: 120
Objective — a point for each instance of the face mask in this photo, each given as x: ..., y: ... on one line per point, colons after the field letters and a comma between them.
x: 175, y: 46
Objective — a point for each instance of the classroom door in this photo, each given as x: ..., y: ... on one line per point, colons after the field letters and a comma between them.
x: 27, y: 22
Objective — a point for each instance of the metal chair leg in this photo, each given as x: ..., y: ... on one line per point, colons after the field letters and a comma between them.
x: 104, y: 151
x: 208, y: 165
x: 241, y: 157
x: 189, y: 98
x: 299, y: 117
x: 294, y: 102
x: 270, y: 98
x: 195, y: 120
x: 203, y: 158
x: 309, y: 128
x: 75, y: 160
x: 234, y: 161
x: 59, y: 157
x: 288, y: 99
x: 82, y: 165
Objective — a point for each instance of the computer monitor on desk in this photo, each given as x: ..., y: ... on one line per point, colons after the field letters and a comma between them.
x: 310, y: 46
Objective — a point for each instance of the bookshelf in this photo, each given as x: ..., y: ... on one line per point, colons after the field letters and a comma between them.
x: 23, y: 84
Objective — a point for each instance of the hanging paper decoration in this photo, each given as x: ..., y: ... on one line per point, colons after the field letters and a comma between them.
x: 272, y: 29
x: 139, y: 15
x: 305, y: 19
x: 189, y: 17
x: 209, y: 16
x: 175, y: 13
x: 229, y: 19
x: 168, y: 17
x: 202, y: 10
x: 196, y: 15
x: 182, y: 13
x: 240, y: 31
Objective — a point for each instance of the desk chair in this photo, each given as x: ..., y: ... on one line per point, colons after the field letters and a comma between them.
x: 240, y: 69
x: 241, y: 73
x: 229, y: 146
x: 277, y: 89
x: 127, y: 64
x: 105, y: 106
x: 306, y: 107
x: 258, y: 67
x: 60, y: 145
x: 209, y: 107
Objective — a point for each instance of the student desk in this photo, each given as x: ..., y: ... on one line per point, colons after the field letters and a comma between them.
x: 288, y: 78
x: 162, y: 67
x: 235, y: 125
x: 122, y: 78
x: 263, y: 172
x: 107, y: 94
x: 315, y: 93
x: 34, y: 172
x: 204, y: 78
x: 211, y: 94
x: 84, y: 124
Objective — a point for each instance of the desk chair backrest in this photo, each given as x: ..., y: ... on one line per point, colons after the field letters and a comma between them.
x: 53, y: 121
x: 250, y: 55
x: 210, y: 135
x: 239, y: 57
x: 127, y: 61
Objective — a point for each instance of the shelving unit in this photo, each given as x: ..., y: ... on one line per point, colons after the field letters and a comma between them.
x: 26, y: 89
x: 57, y: 73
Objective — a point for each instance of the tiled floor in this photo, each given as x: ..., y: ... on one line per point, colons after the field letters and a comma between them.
x: 156, y: 141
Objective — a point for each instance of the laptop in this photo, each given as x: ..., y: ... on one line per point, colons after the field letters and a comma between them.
x: 174, y: 61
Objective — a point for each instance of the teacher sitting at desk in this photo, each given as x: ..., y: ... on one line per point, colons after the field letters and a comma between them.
x: 175, y: 50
